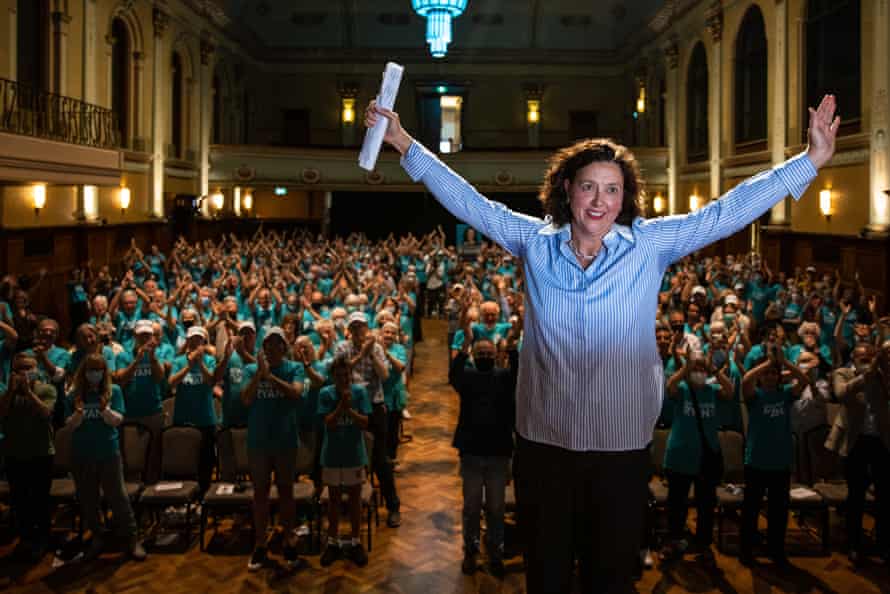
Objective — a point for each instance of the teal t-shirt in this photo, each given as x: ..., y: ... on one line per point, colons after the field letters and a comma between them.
x: 58, y: 356
x: 124, y: 326
x: 308, y: 414
x: 272, y: 418
x: 394, y: 393
x: 77, y: 356
x: 769, y: 446
x: 194, y: 396
x: 234, y: 412
x: 683, y: 453
x: 142, y: 394
x: 95, y: 440
x: 344, y: 445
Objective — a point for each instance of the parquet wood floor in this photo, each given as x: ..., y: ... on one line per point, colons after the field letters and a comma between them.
x: 422, y: 556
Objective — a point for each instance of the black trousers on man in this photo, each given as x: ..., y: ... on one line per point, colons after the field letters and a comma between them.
x: 580, y: 505
x: 775, y: 484
x: 378, y: 423
x: 868, y: 461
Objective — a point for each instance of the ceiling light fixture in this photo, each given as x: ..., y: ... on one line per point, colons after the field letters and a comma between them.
x: 438, y: 15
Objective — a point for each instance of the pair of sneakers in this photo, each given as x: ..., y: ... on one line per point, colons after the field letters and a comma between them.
x: 260, y: 556
x: 353, y: 551
x: 471, y: 564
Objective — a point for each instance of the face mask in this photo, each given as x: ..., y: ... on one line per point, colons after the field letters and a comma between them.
x: 351, y: 309
x: 484, y: 364
x: 340, y: 323
x: 698, y: 378
x: 94, y: 376
x: 678, y: 327
x: 31, y: 375
x: 728, y: 319
x: 194, y: 262
x: 861, y: 367
x: 187, y: 324
x: 292, y: 306
x: 205, y: 301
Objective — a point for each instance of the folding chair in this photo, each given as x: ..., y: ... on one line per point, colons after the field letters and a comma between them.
x: 729, y: 499
x: 226, y: 498
x: 180, y: 456
x: 827, y: 475
x: 63, y: 490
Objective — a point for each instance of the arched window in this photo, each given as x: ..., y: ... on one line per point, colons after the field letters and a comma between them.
x: 120, y: 79
x: 833, y: 59
x: 31, y: 44
x: 750, y: 82
x: 697, y: 106
x: 216, y: 136
x: 176, y: 120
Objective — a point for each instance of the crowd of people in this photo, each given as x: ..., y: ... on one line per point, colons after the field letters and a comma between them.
x: 288, y: 334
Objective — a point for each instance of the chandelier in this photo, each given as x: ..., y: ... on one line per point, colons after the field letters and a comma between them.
x: 438, y: 15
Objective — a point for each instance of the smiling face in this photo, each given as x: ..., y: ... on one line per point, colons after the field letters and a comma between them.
x: 595, y: 196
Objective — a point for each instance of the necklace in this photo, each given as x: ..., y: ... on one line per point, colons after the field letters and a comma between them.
x: 581, y: 254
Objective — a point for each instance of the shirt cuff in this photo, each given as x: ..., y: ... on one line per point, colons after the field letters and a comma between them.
x: 797, y: 173
x: 417, y: 160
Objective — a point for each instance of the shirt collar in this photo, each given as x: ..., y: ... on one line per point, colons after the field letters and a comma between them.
x: 565, y: 233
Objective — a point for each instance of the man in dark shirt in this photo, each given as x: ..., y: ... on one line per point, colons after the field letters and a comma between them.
x: 484, y: 438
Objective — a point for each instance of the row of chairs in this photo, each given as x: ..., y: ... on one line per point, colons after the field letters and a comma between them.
x: 817, y: 482
x: 179, y: 487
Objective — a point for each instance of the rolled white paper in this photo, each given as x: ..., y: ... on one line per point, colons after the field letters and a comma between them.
x: 389, y: 88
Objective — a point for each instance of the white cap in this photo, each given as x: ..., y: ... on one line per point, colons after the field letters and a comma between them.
x: 699, y: 290
x: 197, y: 331
x: 274, y: 331
x: 357, y: 316
x: 246, y: 324
x: 143, y: 327
x: 731, y: 299
x: 811, y: 269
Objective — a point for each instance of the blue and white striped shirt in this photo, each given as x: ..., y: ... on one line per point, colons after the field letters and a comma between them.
x: 590, y: 378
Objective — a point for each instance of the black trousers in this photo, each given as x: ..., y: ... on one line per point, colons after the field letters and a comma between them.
x: 29, y: 484
x: 378, y: 423
x: 393, y: 428
x: 678, y: 507
x: 868, y: 461
x: 587, y: 506
x: 775, y: 484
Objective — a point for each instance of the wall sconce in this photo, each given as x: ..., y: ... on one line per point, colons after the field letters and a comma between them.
x: 90, y: 203
x: 38, y: 198
x: 825, y: 206
x: 534, y: 111
x: 348, y: 114
x: 641, y: 100
x: 247, y: 201
x: 124, y: 198
x: 658, y: 204
x: 217, y: 200
x: 694, y: 202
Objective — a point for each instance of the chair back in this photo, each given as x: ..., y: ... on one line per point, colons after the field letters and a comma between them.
x: 825, y: 465
x: 306, y: 453
x: 732, y: 445
x: 135, y: 443
x: 239, y: 444
x: 180, y: 452
x: 62, y: 442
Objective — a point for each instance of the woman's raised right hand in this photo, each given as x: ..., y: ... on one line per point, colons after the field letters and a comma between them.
x: 395, y: 135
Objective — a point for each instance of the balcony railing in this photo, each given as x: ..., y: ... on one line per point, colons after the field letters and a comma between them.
x: 33, y: 112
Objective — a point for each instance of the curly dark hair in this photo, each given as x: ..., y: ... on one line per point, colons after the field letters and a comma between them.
x: 568, y: 161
